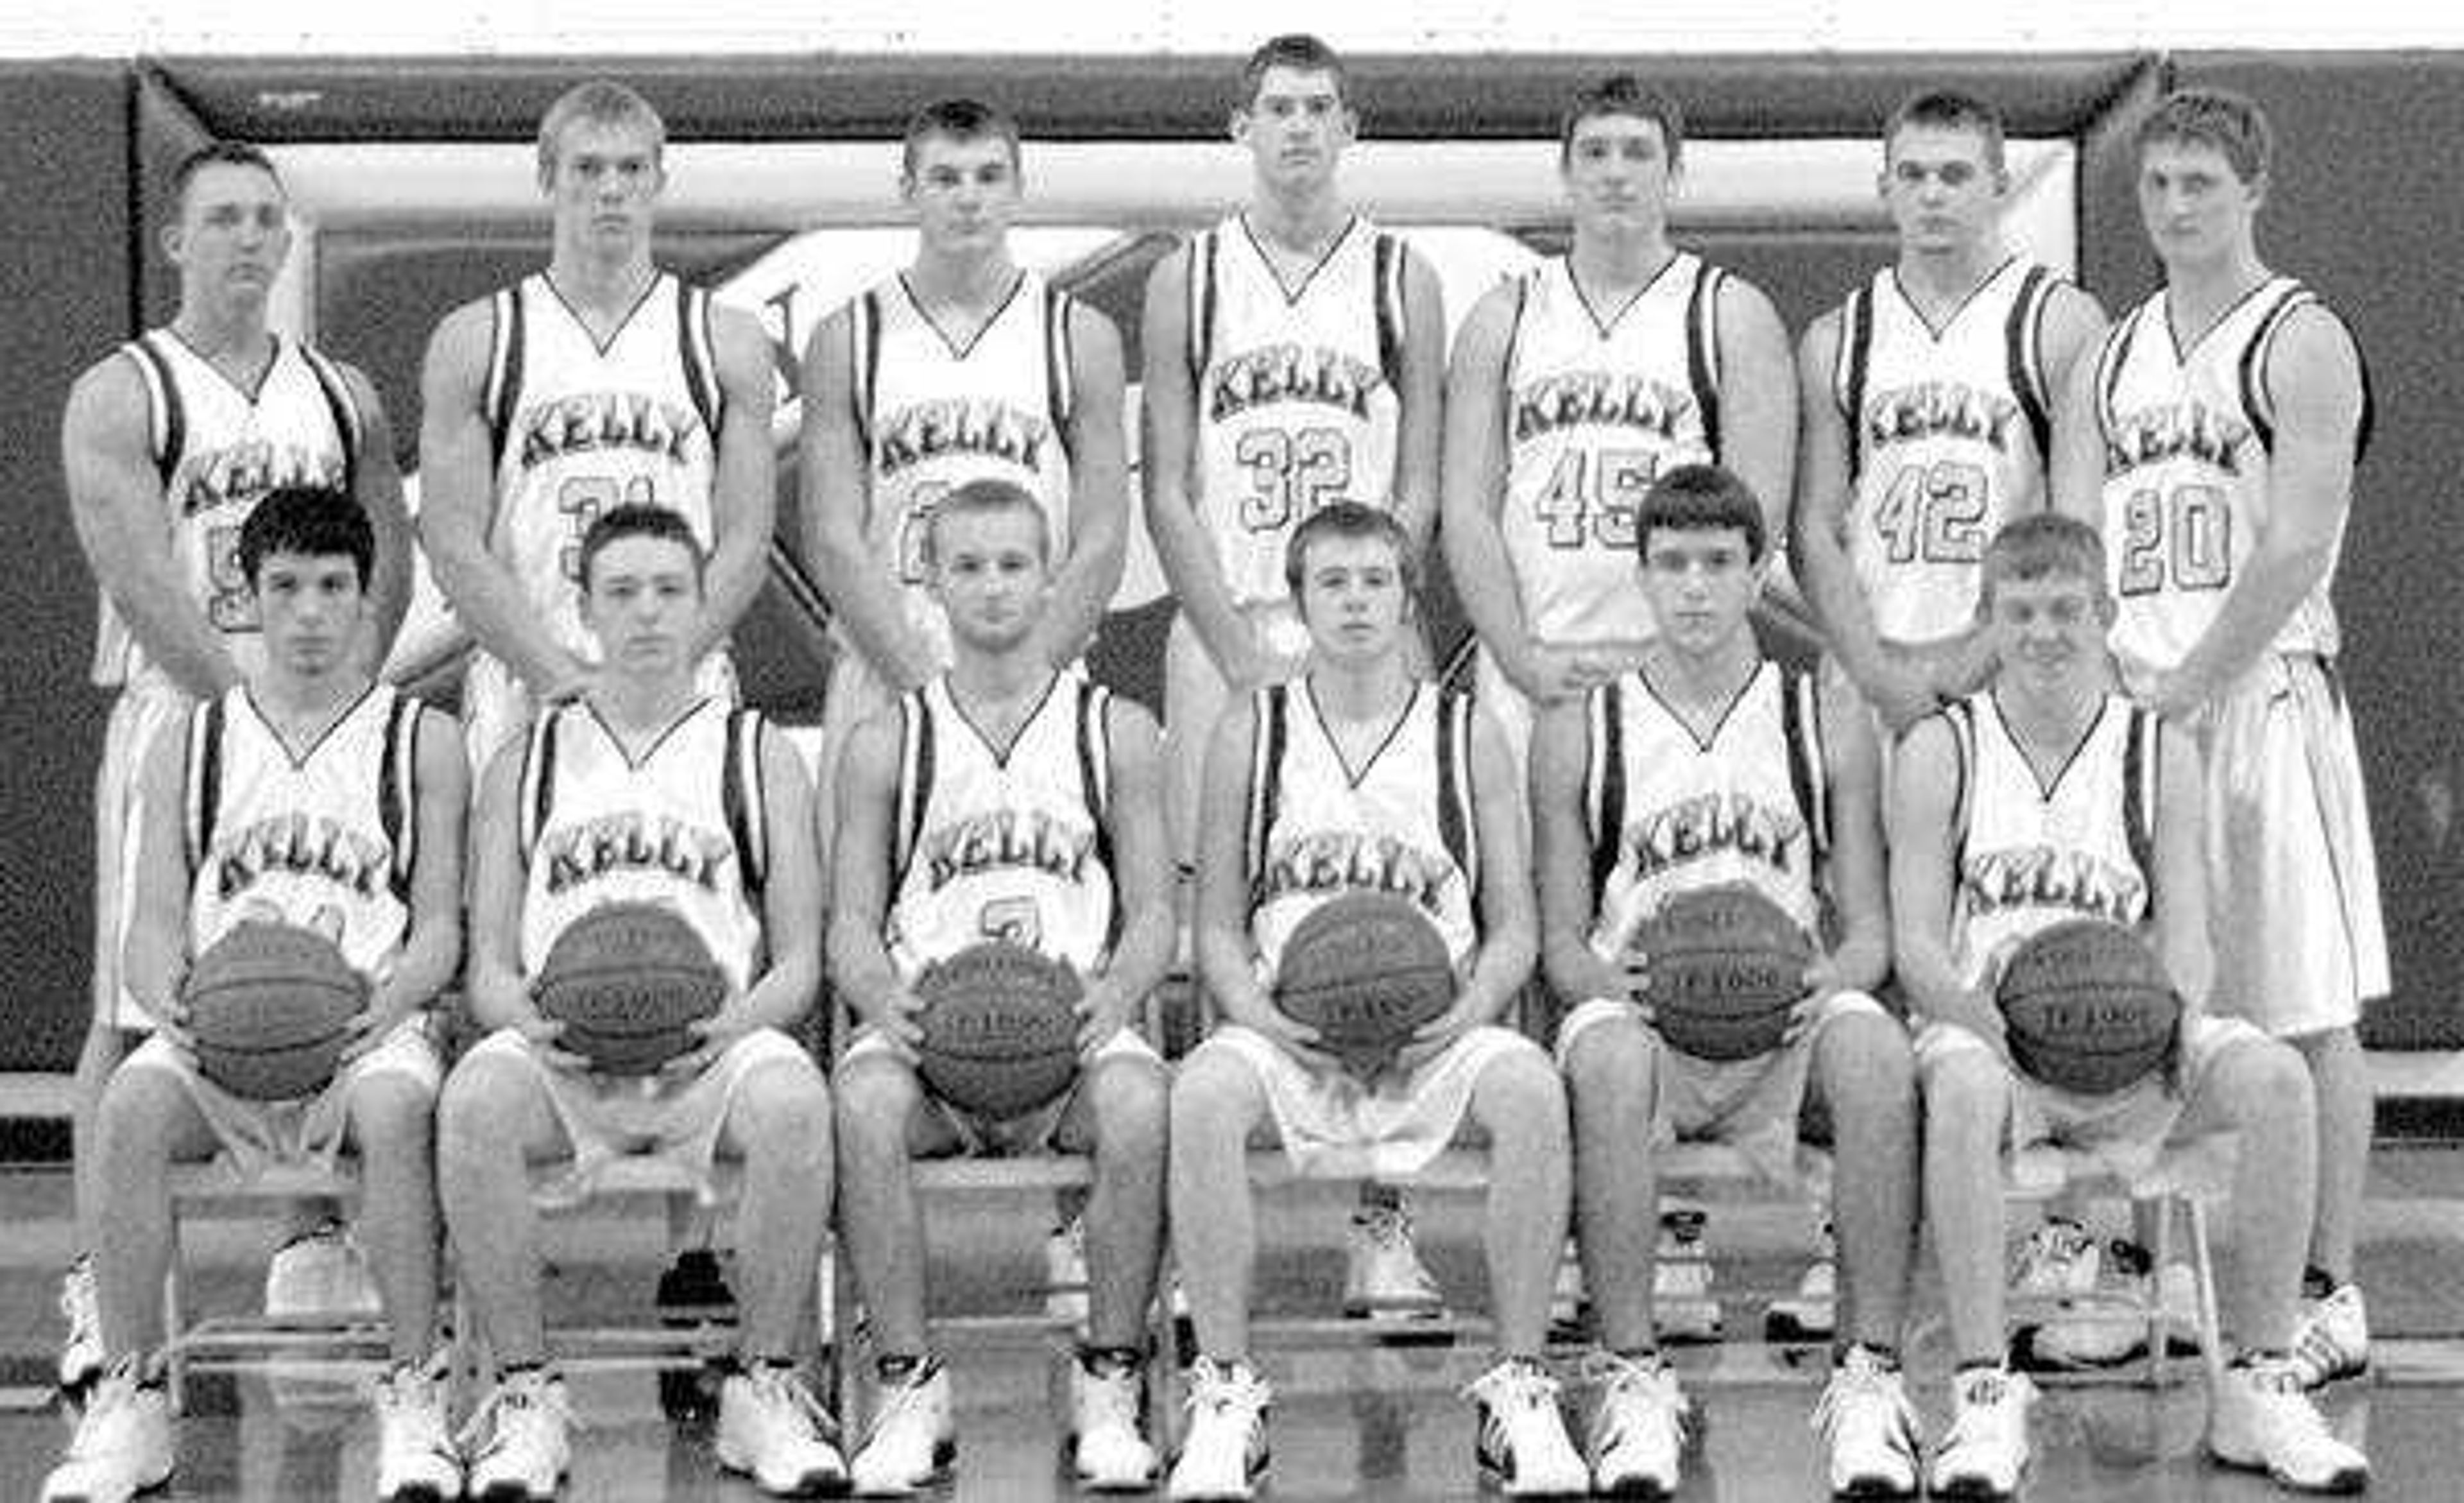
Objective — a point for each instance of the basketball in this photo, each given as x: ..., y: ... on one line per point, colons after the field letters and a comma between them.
x: 2087, y: 1008
x: 629, y: 981
x: 1001, y: 1029
x: 1727, y: 966
x: 1367, y: 971
x: 268, y: 1006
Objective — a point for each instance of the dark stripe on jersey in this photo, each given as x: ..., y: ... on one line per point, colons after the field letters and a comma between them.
x: 1608, y: 818
x: 1522, y: 286
x: 171, y: 419
x: 2110, y: 362
x: 1386, y: 256
x: 740, y: 802
x: 2024, y: 334
x: 543, y: 770
x: 1451, y: 775
x: 1267, y: 775
x: 695, y: 347
x: 1202, y: 326
x: 394, y: 797
x: 1094, y: 775
x: 1856, y: 357
x: 1960, y: 715
x: 1703, y: 351
x: 207, y: 793
x: 1060, y: 400
x: 2140, y: 749
x: 918, y: 715
x: 2252, y: 371
x: 341, y: 408
x: 866, y: 359
x: 504, y: 372
x: 1800, y: 726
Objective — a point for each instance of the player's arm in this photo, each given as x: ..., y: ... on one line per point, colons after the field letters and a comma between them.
x: 154, y: 957
x: 1142, y: 878
x: 1475, y: 494
x: 431, y: 951
x: 2181, y: 899
x: 2314, y: 375
x: 1925, y: 782
x: 745, y: 480
x: 116, y: 500
x: 1167, y: 469
x: 790, y: 895
x: 1099, y: 490
x: 376, y: 484
x: 1509, y: 925
x: 831, y: 472
x: 1420, y: 426
x: 495, y: 986
x: 457, y: 492
x: 1562, y: 845
x: 1227, y: 951
x: 1758, y: 419
x: 2076, y: 468
x: 1853, y: 871
x: 860, y: 882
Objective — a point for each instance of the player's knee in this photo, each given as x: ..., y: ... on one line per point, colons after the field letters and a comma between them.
x: 1965, y: 1088
x: 1519, y: 1094
x: 1211, y: 1097
x: 390, y: 1114
x: 1131, y: 1107
x: 2260, y: 1078
x: 1864, y: 1058
x: 874, y: 1096
x: 1614, y: 1059
x: 139, y: 1107
x: 784, y: 1101
x: 483, y: 1095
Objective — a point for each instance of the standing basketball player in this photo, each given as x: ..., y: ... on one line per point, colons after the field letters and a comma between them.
x: 2050, y: 797
x: 305, y: 795
x: 1295, y: 356
x: 1006, y: 798
x: 596, y: 382
x: 1361, y: 776
x: 169, y: 443
x: 1708, y: 764
x: 2213, y: 441
x: 594, y: 806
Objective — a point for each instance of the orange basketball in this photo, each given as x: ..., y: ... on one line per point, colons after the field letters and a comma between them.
x: 268, y: 1004
x: 629, y: 981
x: 1727, y: 966
x: 1367, y: 971
x: 2086, y: 1007
x: 1001, y: 1029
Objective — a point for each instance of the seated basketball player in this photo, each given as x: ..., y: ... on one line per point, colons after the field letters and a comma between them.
x: 585, y: 810
x: 1010, y: 800
x: 306, y: 750
x: 1358, y: 775
x: 2051, y: 771
x: 1708, y: 764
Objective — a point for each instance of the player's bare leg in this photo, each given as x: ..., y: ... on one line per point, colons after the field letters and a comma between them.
x: 1865, y: 1072
x: 147, y: 1123
x: 2259, y: 1090
x: 1519, y: 1104
x: 1612, y: 1078
x: 882, y: 1124
x: 1121, y: 1113
x: 779, y: 1128
x: 1216, y: 1102
x: 493, y: 1122
x: 2341, y: 1085
x: 1967, y: 1101
x: 393, y: 1122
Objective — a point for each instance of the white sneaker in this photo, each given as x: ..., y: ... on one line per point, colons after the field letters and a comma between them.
x: 524, y: 1453
x: 1812, y: 1314
x: 2334, y: 1337
x: 1868, y: 1429
x: 321, y: 1273
x: 1523, y: 1444
x: 913, y: 1436
x: 2261, y: 1419
x: 771, y: 1426
x: 1683, y: 1308
x: 1064, y: 1274
x: 122, y: 1444
x: 81, y: 1351
x: 1382, y: 1275
x: 1987, y: 1449
x: 416, y: 1462
x: 1638, y: 1433
x: 1107, y: 1442
x: 1223, y: 1455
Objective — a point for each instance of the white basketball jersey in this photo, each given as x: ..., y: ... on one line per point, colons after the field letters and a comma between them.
x: 219, y: 448
x: 1401, y: 825
x: 2029, y: 856
x: 934, y: 413
x: 1947, y: 433
x: 1003, y: 844
x: 326, y: 840
x: 683, y: 825
x: 1298, y: 393
x: 1599, y: 402
x: 580, y: 427
x: 1668, y: 812
x: 2187, y: 439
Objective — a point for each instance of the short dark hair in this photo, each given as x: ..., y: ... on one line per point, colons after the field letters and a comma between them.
x: 2040, y: 545
x: 1350, y: 520
x: 1947, y: 109
x: 1622, y: 94
x: 980, y: 498
x: 1699, y: 498
x: 2229, y: 122
x: 637, y: 519
x: 314, y: 521
x: 960, y: 120
x: 1300, y: 52
x: 217, y: 153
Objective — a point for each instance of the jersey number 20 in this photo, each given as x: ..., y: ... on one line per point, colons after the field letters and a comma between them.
x: 2182, y: 538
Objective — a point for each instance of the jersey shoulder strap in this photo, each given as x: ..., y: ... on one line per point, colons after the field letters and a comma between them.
x: 204, y: 781
x: 166, y: 418
x: 1271, y: 727
x: 1800, y: 713
x: 506, y: 339
x: 744, y: 796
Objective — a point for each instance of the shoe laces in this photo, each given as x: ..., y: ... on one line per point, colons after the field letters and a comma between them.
x: 1227, y: 1389
x: 784, y: 1391
x: 513, y: 1404
x: 1862, y: 1385
x: 1626, y: 1383
x: 1516, y: 1382
x: 1985, y: 1402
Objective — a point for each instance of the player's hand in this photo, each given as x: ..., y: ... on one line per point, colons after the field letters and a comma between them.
x: 170, y: 1020
x: 1975, y: 1010
x: 1824, y: 979
x: 542, y: 1033
x: 2174, y: 696
x: 1958, y: 666
x: 1296, y: 1039
x: 571, y: 680
x: 374, y: 1023
x: 1430, y: 1039
x: 900, y: 1021
x: 1103, y: 1010
x: 717, y: 1034
x: 1901, y: 692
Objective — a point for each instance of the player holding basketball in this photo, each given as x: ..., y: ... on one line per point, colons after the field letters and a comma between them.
x: 1708, y: 764
x: 2050, y: 796
x: 1361, y: 776
x: 2213, y: 441
x: 1005, y: 799
x: 590, y: 809
x: 168, y: 443
x: 305, y: 795
x: 599, y: 381
x: 1295, y: 356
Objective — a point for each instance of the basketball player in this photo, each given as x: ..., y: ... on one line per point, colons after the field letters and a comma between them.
x: 2050, y: 796
x: 1361, y: 776
x: 2213, y: 441
x: 599, y: 381
x: 1295, y: 356
x: 1006, y: 798
x: 169, y: 442
x: 594, y: 806
x: 304, y: 795
x: 1706, y: 765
